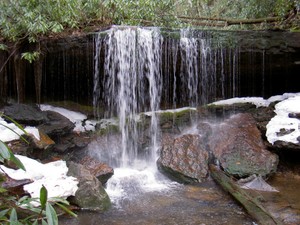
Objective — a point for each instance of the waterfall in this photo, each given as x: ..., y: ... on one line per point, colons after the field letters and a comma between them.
x: 138, y: 70
x: 132, y: 84
x: 189, y: 66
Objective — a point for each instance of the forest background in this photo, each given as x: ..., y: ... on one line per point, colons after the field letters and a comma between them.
x: 33, y: 20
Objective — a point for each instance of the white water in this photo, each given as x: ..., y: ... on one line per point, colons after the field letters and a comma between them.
x: 132, y: 82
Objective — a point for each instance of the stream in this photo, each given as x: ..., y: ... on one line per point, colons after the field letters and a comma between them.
x: 204, y: 203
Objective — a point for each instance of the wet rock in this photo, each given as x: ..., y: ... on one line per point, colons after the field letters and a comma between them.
x: 229, y: 109
x: 183, y: 158
x: 90, y: 194
x: 14, y: 186
x: 237, y: 145
x: 172, y: 121
x: 98, y: 169
x: 73, y: 141
x: 204, y: 130
x: 57, y: 125
x: 283, y: 132
x: 44, y: 142
x: 262, y: 116
x: 294, y: 115
x: 286, y: 146
x: 25, y: 114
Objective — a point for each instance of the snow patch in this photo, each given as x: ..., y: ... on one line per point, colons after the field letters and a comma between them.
x: 52, y: 175
x: 282, y: 127
x: 79, y: 119
x: 258, y: 101
x: 10, y: 132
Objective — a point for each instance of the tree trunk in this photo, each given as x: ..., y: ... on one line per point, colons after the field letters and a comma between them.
x: 19, y: 66
x: 3, y: 79
x: 222, y: 22
x: 251, y: 204
x: 38, y: 73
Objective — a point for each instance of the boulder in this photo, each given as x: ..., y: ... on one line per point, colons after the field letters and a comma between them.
x: 98, y: 169
x: 238, y: 146
x: 57, y: 125
x: 73, y: 141
x: 204, y: 130
x: 90, y: 194
x: 184, y: 158
x: 44, y: 141
x: 30, y: 115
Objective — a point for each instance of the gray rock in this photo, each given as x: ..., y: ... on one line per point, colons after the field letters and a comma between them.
x: 57, y: 125
x: 25, y: 114
x: 90, y: 194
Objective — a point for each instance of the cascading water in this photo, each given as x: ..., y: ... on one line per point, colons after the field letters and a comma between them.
x: 132, y: 81
x: 132, y: 77
x: 189, y: 66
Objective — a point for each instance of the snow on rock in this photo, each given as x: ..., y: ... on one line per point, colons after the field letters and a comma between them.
x: 170, y: 110
x: 75, y: 117
x: 10, y: 132
x: 282, y: 127
x: 52, y: 175
x: 258, y: 101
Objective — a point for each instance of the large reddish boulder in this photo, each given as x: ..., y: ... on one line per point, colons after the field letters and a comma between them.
x: 238, y: 146
x: 184, y: 158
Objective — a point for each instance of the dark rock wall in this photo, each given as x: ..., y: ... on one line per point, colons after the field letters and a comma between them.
x: 257, y: 64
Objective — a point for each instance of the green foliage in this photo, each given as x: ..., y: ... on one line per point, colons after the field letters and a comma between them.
x: 141, y: 12
x: 30, y: 56
x: 3, y: 47
x: 282, y: 7
x: 43, y: 197
x: 51, y: 215
x: 32, y: 18
x: 45, y: 213
x: 242, y: 9
x: 6, y: 154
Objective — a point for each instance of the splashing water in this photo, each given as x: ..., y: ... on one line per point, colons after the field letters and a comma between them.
x: 132, y: 82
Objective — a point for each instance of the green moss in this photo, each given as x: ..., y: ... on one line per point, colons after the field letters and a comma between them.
x: 178, y: 118
x: 108, y: 129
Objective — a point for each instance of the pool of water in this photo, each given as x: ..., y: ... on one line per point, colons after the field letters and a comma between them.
x: 204, y: 203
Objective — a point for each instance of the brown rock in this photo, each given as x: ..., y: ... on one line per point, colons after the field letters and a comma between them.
x: 183, y: 158
x: 98, y: 169
x: 237, y: 145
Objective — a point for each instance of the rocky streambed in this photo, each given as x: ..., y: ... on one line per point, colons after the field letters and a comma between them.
x: 232, y: 137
